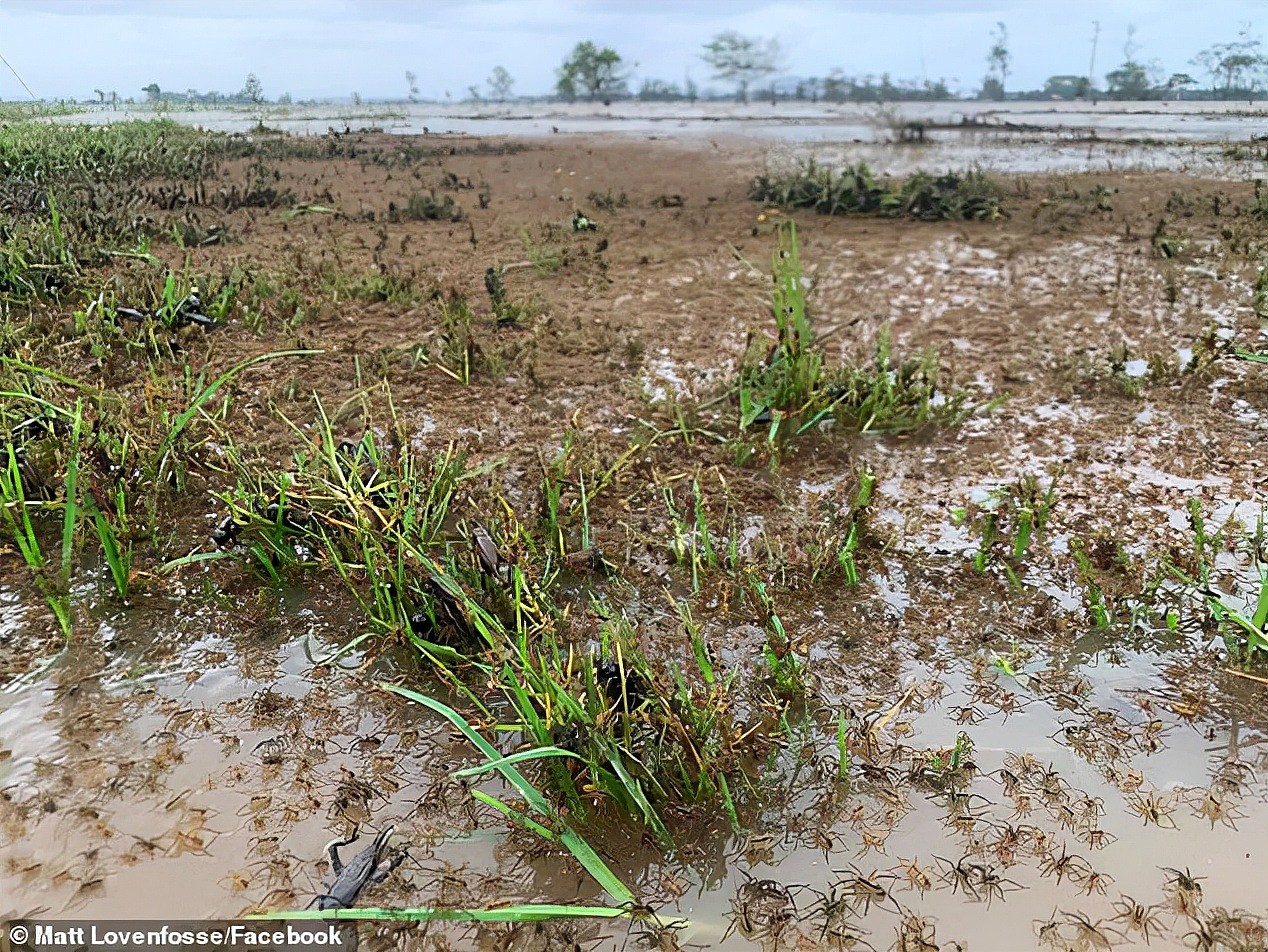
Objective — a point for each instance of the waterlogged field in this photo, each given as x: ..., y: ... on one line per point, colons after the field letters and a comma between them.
x: 672, y: 549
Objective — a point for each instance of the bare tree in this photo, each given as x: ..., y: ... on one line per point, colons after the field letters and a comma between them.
x: 742, y: 60
x: 998, y: 61
x: 411, y: 80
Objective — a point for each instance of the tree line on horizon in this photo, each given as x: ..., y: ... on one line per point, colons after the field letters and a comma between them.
x: 750, y: 65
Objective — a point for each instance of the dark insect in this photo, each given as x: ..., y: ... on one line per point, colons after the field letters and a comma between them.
x: 1184, y: 880
x: 992, y: 883
x: 960, y: 876
x: 358, y: 459
x: 226, y: 532
x: 652, y: 932
x: 1186, y: 890
x: 629, y: 691
x: 979, y: 881
x: 586, y: 560
x: 858, y: 889
x: 289, y: 517
x: 446, y: 609
x: 271, y: 750
x: 371, y: 866
x: 189, y: 311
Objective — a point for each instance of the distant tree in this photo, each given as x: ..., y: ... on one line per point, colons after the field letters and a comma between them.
x: 591, y: 70
x: 284, y: 99
x: 690, y: 90
x: 998, y: 61
x: 834, y: 86
x: 657, y: 90
x: 1133, y: 79
x: 1129, y: 81
x: 473, y: 92
x: 936, y: 89
x: 500, y: 84
x: 356, y: 98
x: 1064, y: 86
x: 152, y: 92
x: 742, y: 60
x: 411, y: 80
x: 1234, y: 66
x: 1179, y: 81
x: 252, y: 91
x: 101, y: 95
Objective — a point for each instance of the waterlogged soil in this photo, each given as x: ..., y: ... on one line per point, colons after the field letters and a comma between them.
x: 190, y: 754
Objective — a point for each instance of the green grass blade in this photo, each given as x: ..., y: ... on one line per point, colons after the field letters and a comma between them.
x: 182, y: 421
x: 569, y: 837
x: 537, y: 753
x: 525, y: 912
x: 515, y: 815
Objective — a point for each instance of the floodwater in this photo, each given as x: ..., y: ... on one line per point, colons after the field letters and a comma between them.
x: 1021, y: 137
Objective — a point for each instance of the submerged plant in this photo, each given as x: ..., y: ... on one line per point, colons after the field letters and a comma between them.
x: 854, y: 190
x: 785, y: 387
x: 1007, y: 521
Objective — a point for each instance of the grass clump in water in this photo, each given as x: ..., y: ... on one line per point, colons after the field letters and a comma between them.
x: 855, y: 190
x: 785, y: 387
x: 480, y: 603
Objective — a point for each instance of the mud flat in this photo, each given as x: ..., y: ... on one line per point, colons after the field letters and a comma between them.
x: 933, y: 624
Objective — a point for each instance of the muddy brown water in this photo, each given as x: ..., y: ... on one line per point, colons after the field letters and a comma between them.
x: 190, y: 756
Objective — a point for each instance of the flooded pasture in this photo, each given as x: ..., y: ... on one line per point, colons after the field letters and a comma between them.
x: 961, y: 667
x: 1211, y: 138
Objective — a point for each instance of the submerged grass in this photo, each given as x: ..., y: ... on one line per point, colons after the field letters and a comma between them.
x: 784, y: 386
x: 480, y: 604
x: 854, y: 190
x: 104, y: 471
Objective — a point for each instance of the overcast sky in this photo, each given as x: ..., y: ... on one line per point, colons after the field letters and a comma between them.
x: 318, y: 48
